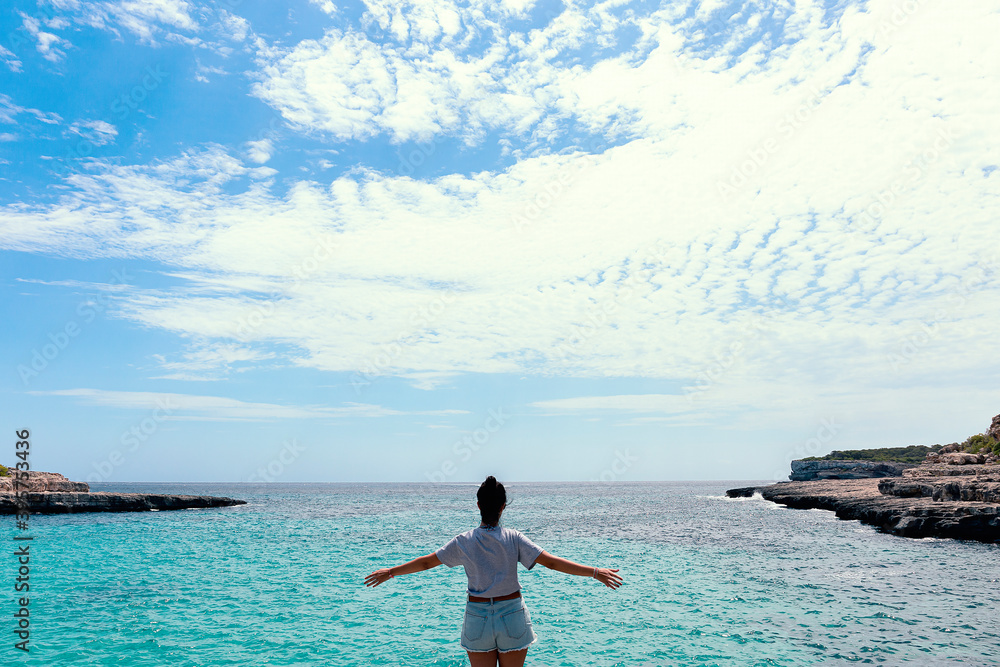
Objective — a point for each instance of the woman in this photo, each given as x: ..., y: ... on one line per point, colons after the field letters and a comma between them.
x: 497, y: 626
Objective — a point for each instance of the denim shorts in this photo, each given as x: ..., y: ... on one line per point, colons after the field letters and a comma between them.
x: 503, y: 626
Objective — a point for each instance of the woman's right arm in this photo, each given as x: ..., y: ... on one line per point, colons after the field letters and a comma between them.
x: 416, y: 565
x: 604, y: 575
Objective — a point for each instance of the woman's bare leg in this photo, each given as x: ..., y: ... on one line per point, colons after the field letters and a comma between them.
x: 513, y: 658
x: 485, y: 659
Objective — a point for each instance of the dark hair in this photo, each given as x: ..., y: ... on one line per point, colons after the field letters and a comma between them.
x: 491, y: 496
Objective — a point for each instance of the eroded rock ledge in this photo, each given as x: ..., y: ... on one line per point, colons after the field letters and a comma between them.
x: 58, y: 502
x: 963, y: 506
x: 803, y: 470
x: 52, y: 493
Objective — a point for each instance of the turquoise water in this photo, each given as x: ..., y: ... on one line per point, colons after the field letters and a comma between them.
x: 709, y: 581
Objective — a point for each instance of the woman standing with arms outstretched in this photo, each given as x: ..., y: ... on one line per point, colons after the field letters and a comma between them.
x: 497, y: 627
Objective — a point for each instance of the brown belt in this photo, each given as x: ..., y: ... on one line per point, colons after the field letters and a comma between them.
x: 473, y: 598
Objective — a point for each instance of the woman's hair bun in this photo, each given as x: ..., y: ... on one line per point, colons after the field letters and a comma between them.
x: 492, y: 497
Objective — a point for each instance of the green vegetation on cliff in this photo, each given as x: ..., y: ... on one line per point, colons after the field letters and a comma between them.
x: 976, y: 444
x: 981, y: 444
x: 911, y: 454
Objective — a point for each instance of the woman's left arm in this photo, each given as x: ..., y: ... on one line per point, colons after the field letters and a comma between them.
x: 607, y: 576
x: 416, y: 565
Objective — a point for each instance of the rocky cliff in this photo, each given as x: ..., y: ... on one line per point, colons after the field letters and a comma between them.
x: 52, y: 493
x: 994, y: 430
x: 954, y: 493
x: 947, y: 498
x: 807, y: 470
x: 41, y: 481
x: 907, y: 509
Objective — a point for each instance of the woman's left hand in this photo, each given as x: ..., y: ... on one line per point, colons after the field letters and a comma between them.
x: 608, y: 577
x: 378, y: 577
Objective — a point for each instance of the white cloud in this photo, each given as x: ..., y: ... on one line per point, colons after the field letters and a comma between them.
x: 10, y: 59
x: 98, y: 132
x: 435, y: 80
x: 149, y: 20
x: 744, y: 403
x: 518, y: 6
x: 155, y: 22
x: 9, y: 111
x: 202, y: 71
x: 213, y: 408
x: 617, y: 403
x: 429, y: 380
x: 260, y: 151
x: 146, y: 18
x: 207, y: 361
x: 76, y: 284
x: 48, y: 44
x: 326, y: 5
x: 236, y: 27
x: 738, y: 244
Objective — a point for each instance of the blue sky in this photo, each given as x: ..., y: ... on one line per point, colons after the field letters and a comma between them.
x: 316, y: 241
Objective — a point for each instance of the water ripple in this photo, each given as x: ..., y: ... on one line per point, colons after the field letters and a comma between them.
x: 710, y: 581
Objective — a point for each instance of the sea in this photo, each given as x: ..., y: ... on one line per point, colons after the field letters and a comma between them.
x: 709, y: 580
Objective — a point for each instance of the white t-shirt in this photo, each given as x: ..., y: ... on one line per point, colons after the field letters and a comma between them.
x: 490, y: 556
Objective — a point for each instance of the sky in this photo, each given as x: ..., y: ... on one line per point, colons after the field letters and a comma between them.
x: 432, y: 241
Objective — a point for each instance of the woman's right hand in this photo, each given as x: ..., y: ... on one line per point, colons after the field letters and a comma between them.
x: 608, y: 577
x: 378, y: 577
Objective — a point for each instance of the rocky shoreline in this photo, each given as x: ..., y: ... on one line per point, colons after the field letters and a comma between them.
x: 56, y: 502
x: 953, y: 493
x: 927, y: 501
x: 52, y: 493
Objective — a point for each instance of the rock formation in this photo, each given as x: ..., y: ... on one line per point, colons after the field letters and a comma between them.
x: 821, y: 469
x: 940, y: 499
x: 994, y: 430
x: 41, y: 481
x: 58, y: 502
x: 947, y: 455
x: 52, y: 493
x: 982, y: 489
x: 909, y: 514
